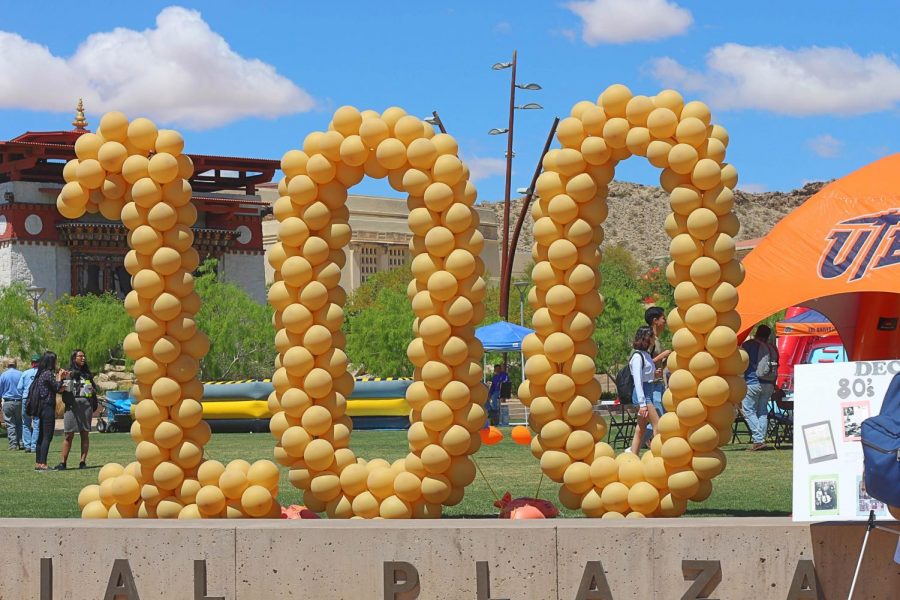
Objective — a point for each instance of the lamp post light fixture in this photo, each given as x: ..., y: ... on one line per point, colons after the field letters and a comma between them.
x: 507, y: 251
x: 35, y: 293
x: 435, y: 119
x: 522, y: 286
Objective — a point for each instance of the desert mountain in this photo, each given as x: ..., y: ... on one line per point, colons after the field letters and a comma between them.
x: 637, y: 213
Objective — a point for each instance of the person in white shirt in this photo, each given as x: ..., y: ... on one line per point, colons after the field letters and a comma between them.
x: 643, y: 371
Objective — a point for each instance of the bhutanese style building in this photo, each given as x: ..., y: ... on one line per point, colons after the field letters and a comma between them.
x: 43, y: 249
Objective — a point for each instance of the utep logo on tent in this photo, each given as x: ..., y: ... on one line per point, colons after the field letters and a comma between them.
x: 862, y: 244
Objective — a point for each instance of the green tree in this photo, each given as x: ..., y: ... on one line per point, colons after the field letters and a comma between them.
x: 378, y: 335
x: 366, y: 295
x: 22, y: 331
x: 623, y: 311
x: 239, y: 329
x: 95, y: 324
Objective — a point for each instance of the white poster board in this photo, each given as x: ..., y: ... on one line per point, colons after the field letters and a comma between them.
x: 830, y: 403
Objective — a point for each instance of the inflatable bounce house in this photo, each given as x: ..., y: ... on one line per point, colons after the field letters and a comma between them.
x: 239, y: 406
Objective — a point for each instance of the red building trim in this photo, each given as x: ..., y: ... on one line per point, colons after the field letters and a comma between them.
x: 41, y: 156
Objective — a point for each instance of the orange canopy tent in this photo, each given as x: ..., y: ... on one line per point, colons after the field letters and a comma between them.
x: 839, y: 254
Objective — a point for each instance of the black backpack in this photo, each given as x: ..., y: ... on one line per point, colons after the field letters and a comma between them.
x: 31, y: 399
x: 625, y: 382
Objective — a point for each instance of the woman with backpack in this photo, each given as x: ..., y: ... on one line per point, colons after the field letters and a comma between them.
x: 80, y: 398
x: 42, y: 404
x: 642, y: 369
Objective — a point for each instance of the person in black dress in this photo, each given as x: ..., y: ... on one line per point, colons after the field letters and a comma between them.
x: 47, y: 383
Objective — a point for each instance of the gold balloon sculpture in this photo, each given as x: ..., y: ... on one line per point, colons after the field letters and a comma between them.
x: 706, y: 364
x: 311, y: 379
x: 137, y: 173
x: 134, y: 172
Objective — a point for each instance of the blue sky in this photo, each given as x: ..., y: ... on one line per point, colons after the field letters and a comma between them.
x: 808, y: 90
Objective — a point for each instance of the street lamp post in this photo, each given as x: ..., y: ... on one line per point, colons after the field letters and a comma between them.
x: 506, y: 276
x: 522, y: 286
x: 505, y: 249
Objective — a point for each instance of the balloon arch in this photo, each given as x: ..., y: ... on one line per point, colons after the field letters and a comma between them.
x: 133, y: 172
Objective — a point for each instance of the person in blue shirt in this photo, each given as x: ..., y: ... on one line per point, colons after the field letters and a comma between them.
x: 30, y: 425
x: 12, y: 405
x: 500, y: 377
x: 755, y: 405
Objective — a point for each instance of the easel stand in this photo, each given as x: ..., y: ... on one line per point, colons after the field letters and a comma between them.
x: 869, y: 527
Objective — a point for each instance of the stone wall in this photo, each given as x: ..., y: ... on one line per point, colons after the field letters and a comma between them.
x: 245, y: 270
x: 40, y: 265
x: 737, y: 558
x: 114, y: 377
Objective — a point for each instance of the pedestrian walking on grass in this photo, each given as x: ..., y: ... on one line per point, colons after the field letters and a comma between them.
x: 80, y: 399
x: 12, y: 405
x: 642, y: 369
x: 47, y: 383
x: 30, y: 424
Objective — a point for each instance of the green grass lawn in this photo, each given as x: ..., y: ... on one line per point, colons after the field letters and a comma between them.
x: 754, y: 484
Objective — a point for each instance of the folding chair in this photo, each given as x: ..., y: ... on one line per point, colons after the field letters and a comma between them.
x: 737, y: 435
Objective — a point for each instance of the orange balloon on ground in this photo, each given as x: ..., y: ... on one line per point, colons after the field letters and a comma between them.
x: 520, y: 435
x: 491, y: 436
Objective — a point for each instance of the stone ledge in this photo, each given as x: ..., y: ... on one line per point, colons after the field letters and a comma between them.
x: 540, y: 560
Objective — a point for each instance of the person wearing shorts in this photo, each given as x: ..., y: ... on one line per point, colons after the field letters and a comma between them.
x: 80, y: 398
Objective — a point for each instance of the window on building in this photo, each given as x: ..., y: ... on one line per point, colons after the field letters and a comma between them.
x: 397, y: 256
x: 368, y: 261
x: 99, y: 277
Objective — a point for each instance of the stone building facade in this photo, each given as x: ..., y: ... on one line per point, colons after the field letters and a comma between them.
x: 381, y: 236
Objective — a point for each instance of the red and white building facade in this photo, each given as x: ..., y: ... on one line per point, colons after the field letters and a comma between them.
x: 41, y: 248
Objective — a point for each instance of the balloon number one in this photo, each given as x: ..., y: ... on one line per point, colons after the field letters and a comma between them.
x: 136, y: 173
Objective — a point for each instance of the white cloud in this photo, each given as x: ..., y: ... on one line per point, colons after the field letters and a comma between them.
x: 807, y: 81
x: 502, y: 27
x: 180, y: 72
x: 622, y: 21
x: 484, y: 168
x: 568, y: 34
x: 753, y: 188
x: 825, y: 145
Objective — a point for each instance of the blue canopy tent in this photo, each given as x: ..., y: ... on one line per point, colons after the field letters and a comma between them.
x: 502, y: 336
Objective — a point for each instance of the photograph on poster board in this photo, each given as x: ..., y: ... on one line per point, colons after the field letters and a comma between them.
x: 824, y: 494
x: 866, y: 503
x: 819, y: 442
x: 852, y: 416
